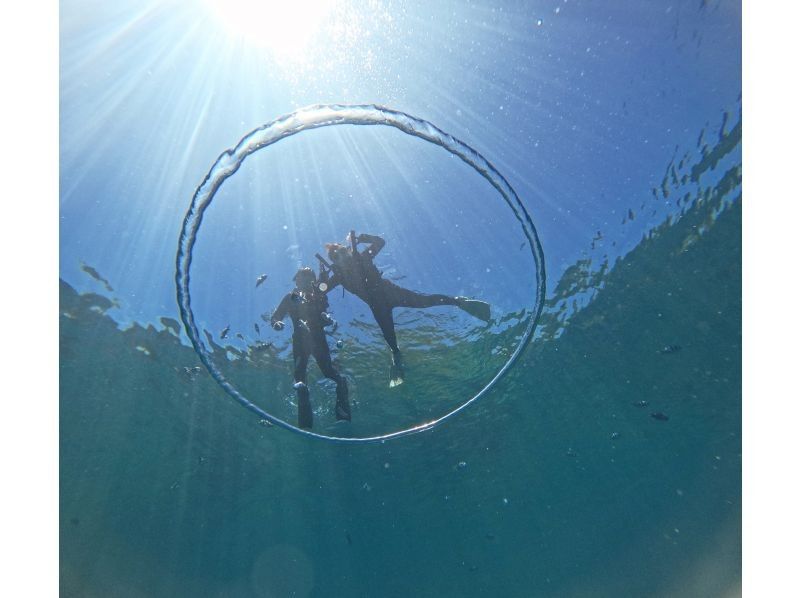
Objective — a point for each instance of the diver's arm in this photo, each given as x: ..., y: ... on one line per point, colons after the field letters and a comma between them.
x: 280, y: 312
x: 376, y: 244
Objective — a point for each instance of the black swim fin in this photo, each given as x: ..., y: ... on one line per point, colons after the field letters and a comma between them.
x: 478, y: 309
x: 396, y: 373
x: 305, y: 415
x: 342, y: 411
x: 342, y: 403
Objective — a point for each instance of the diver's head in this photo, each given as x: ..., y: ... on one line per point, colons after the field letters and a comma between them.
x: 305, y: 279
x: 336, y: 252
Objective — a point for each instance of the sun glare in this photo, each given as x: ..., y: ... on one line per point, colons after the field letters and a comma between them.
x: 285, y: 28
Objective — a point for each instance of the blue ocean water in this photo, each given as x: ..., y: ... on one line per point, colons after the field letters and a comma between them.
x: 620, y: 129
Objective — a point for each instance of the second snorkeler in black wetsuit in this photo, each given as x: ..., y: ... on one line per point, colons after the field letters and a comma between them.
x: 356, y: 272
x: 307, y: 306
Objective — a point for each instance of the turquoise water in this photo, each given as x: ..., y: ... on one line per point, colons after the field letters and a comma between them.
x: 559, y: 482
x: 169, y: 489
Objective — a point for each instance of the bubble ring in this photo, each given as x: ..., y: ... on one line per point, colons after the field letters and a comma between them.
x: 314, y: 117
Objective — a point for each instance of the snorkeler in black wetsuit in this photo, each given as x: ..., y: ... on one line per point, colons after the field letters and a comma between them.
x: 357, y: 273
x: 307, y: 305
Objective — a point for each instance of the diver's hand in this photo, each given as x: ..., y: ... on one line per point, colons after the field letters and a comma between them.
x: 328, y: 320
x: 277, y: 325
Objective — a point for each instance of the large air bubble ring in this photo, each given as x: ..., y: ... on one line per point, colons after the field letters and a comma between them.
x: 314, y: 117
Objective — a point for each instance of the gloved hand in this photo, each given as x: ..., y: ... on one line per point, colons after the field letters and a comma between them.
x: 277, y: 325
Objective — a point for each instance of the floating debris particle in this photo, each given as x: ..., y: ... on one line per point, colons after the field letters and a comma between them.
x: 192, y: 372
x: 571, y: 453
x: 265, y: 422
x: 505, y: 501
x: 614, y: 435
x: 670, y: 349
x: 659, y: 416
x: 258, y: 330
x: 366, y: 487
x: 142, y: 349
x: 641, y: 403
x: 225, y: 331
x: 462, y: 464
x: 260, y: 280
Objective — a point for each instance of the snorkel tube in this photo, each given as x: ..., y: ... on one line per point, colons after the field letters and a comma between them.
x: 323, y: 261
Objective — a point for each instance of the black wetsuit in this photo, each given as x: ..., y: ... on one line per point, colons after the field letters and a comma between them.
x: 308, y: 338
x: 359, y: 275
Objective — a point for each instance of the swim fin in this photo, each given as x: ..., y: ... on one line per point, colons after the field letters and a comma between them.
x: 396, y: 373
x: 305, y: 415
x: 478, y: 309
x: 395, y: 376
x: 342, y: 403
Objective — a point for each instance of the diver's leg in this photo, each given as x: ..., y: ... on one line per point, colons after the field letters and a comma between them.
x: 323, y: 356
x: 383, y: 316
x: 400, y: 297
x: 304, y: 414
